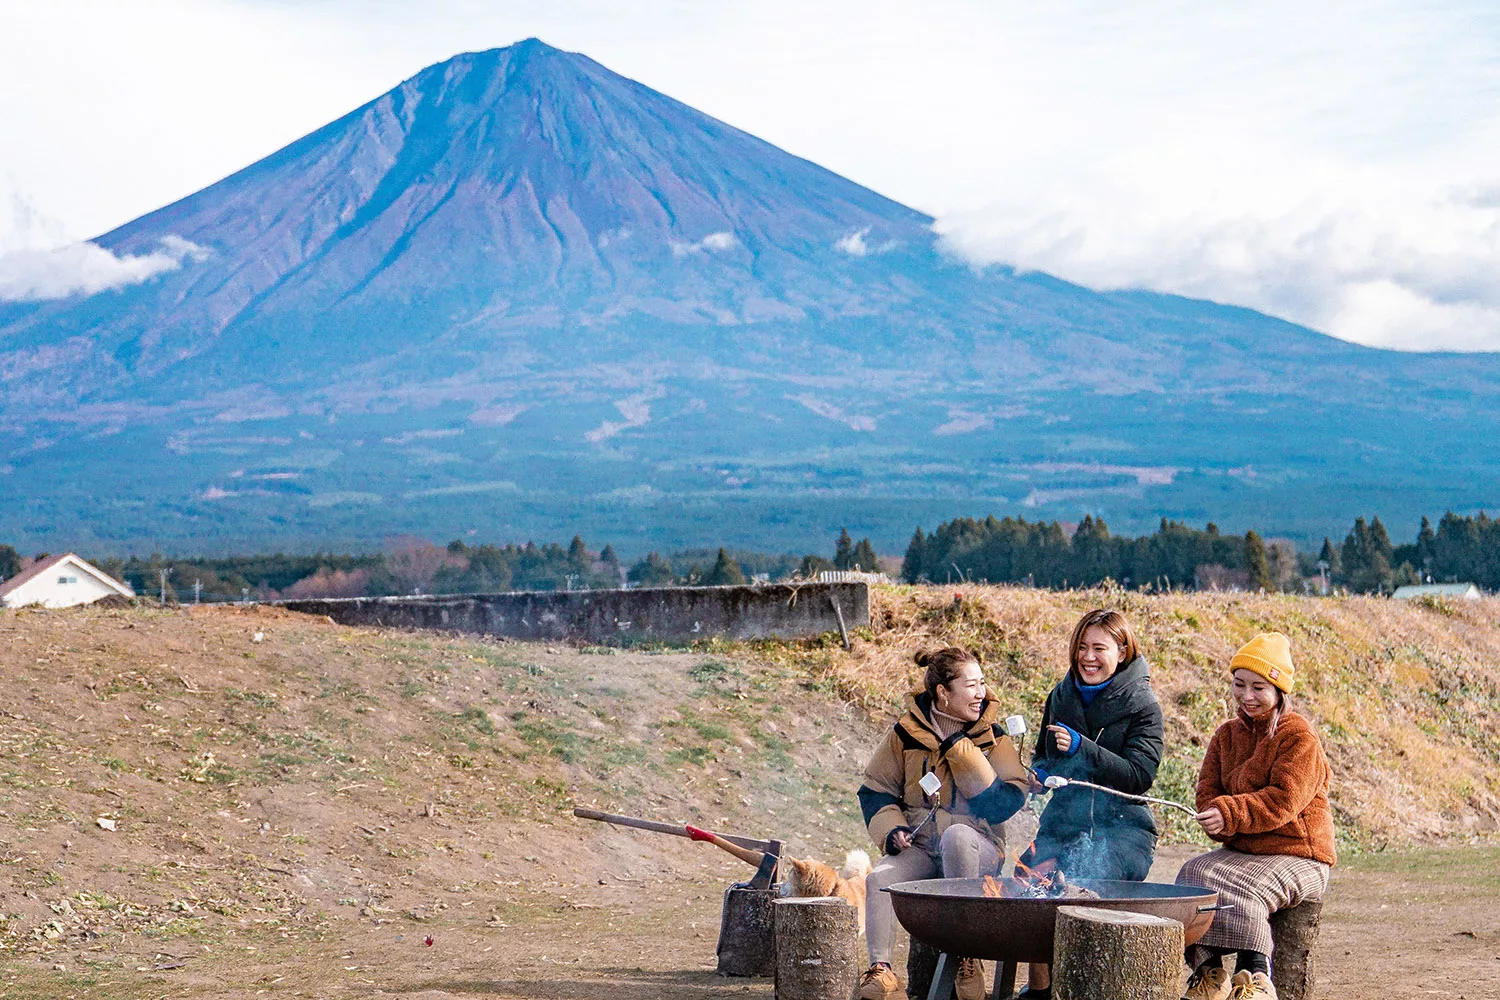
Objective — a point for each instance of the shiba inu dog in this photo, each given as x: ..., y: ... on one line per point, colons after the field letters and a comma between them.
x: 814, y: 878
x: 807, y: 879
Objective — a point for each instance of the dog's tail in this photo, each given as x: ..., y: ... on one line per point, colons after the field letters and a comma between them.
x: 856, y: 865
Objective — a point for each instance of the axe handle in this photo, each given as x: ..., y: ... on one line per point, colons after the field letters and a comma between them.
x: 675, y: 829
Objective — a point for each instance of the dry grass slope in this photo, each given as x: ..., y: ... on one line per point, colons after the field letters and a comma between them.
x: 1406, y: 694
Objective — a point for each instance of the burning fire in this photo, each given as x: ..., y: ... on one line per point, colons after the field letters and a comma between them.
x: 1043, y: 880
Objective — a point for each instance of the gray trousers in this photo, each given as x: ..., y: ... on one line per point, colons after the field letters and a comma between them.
x: 963, y: 852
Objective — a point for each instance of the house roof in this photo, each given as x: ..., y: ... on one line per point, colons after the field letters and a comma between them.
x: 1436, y: 590
x: 36, y: 569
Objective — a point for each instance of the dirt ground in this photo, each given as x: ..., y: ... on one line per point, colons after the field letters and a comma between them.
x: 1396, y: 925
x: 303, y: 810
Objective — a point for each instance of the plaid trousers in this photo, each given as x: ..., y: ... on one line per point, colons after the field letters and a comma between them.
x: 1258, y: 885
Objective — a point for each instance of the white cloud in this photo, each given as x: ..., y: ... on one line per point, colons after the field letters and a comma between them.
x: 86, y: 269
x: 716, y: 242
x: 855, y: 245
x: 1382, y: 262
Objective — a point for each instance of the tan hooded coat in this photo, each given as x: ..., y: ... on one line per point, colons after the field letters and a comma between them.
x: 984, y: 782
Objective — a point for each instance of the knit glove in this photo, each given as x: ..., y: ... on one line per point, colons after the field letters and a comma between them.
x: 1074, y: 736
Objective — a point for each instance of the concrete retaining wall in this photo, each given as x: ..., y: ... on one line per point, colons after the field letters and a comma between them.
x: 618, y: 617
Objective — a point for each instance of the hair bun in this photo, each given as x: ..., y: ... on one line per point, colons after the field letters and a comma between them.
x: 923, y: 657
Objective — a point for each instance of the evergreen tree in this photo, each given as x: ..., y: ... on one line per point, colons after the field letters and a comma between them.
x: 864, y: 557
x: 1330, y: 556
x: 578, y: 554
x: 726, y: 572
x: 813, y: 565
x: 1426, y: 547
x: 1257, y: 564
x: 843, y: 551
x: 10, y: 562
x: 916, y: 553
x: 652, y: 571
x: 608, y: 557
x: 1367, y: 558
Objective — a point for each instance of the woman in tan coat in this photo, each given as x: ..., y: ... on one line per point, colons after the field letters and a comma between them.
x: 1263, y: 794
x: 950, y: 731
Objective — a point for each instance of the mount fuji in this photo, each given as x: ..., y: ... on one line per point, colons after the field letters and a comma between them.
x: 522, y: 296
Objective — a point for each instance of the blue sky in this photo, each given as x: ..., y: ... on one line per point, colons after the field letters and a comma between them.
x: 1331, y: 163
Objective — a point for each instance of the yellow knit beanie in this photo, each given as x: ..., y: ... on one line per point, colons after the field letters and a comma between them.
x: 1270, y: 655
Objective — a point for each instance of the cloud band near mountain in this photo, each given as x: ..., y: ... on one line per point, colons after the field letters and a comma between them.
x: 35, y: 274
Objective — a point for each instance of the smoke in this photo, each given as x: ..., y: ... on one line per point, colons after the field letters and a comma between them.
x: 38, y: 273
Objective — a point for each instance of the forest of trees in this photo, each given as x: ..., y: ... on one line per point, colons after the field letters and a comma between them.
x: 1044, y: 554
x: 1008, y: 550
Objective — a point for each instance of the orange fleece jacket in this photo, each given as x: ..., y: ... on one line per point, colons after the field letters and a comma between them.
x: 1272, y: 790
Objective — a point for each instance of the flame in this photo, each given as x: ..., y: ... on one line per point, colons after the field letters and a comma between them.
x: 1042, y: 879
x: 992, y: 888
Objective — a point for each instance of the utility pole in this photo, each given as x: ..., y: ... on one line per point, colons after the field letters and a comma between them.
x: 1323, y: 575
x: 163, y: 574
x: 197, y: 590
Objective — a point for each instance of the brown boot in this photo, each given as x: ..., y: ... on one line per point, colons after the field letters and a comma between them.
x: 970, y: 982
x: 1251, y: 986
x: 1209, y: 983
x: 880, y: 983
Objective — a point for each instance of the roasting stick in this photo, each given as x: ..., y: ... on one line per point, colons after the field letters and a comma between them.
x: 1057, y: 781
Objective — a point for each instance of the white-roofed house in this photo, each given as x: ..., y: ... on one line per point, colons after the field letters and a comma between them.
x: 1460, y: 591
x: 60, y: 582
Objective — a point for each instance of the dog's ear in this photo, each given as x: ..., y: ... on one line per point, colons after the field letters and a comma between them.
x: 801, y: 866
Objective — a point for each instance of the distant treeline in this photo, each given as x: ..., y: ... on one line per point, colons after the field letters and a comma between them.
x: 1175, y: 556
x: 407, y: 566
x: 1006, y: 550
x: 414, y: 566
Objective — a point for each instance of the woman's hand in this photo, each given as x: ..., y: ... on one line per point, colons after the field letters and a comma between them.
x: 1062, y: 736
x: 898, y: 840
x: 1212, y: 821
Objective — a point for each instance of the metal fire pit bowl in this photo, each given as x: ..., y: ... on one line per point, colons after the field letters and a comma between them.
x: 954, y: 915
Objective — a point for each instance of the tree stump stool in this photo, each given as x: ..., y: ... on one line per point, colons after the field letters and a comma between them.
x: 1294, y: 931
x: 1115, y: 954
x: 747, y: 941
x: 816, y: 942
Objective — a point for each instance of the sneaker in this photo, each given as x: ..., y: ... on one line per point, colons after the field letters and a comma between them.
x: 880, y: 983
x: 970, y: 982
x: 1251, y: 986
x: 1030, y: 994
x: 1208, y: 983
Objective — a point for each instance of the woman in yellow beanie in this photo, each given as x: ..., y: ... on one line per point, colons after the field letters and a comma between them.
x: 1263, y: 795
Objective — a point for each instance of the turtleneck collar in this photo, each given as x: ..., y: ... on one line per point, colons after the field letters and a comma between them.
x: 1088, y: 692
x: 946, y: 725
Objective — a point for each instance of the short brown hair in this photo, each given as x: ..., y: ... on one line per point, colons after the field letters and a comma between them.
x: 1112, y: 622
x: 943, y: 665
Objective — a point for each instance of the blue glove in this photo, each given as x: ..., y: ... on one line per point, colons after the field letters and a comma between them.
x: 1075, y: 739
